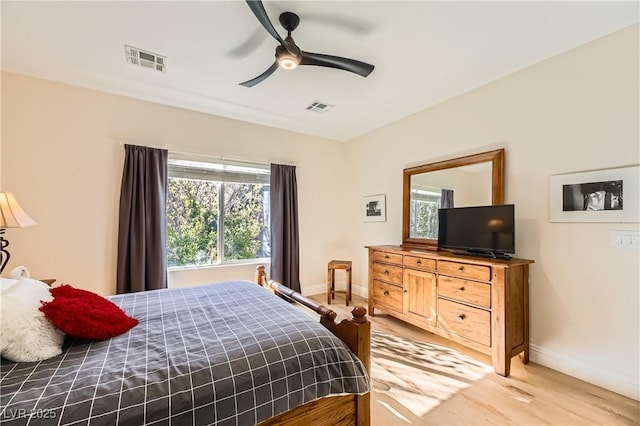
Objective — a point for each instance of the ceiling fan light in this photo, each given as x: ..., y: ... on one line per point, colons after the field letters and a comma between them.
x: 287, y: 62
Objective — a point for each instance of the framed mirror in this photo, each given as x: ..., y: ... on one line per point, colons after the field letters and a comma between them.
x: 472, y: 180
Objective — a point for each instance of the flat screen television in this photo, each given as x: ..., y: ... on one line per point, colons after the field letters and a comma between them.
x: 481, y: 231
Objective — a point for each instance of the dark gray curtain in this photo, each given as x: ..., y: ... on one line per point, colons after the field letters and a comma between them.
x: 285, y: 257
x: 142, y: 257
x: 446, y: 199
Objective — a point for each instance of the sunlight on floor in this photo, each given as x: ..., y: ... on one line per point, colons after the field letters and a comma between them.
x: 416, y: 376
x: 394, y: 411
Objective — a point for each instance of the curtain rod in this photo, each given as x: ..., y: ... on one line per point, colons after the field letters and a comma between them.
x: 210, y: 156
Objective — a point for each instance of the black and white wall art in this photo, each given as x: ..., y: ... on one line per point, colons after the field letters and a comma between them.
x: 609, y: 195
x: 375, y: 209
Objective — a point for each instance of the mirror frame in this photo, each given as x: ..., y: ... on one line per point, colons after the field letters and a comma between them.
x: 496, y: 157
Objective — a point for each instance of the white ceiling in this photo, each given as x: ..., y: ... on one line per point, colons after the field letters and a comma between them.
x: 424, y: 52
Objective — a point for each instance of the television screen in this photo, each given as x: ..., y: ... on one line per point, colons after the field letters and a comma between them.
x: 486, y: 230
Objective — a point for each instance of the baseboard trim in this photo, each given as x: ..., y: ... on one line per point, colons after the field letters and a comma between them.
x: 360, y: 291
x: 312, y: 290
x: 596, y: 375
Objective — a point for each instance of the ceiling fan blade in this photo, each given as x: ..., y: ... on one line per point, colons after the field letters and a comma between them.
x: 346, y: 64
x: 254, y: 41
x: 258, y: 9
x: 261, y: 77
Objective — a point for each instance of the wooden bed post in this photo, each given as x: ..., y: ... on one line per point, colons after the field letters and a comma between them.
x: 261, y: 276
x: 355, y: 332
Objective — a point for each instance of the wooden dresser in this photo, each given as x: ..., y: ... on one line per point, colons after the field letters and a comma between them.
x: 479, y: 302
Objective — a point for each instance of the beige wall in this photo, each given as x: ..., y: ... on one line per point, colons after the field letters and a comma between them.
x: 62, y: 157
x: 578, y: 111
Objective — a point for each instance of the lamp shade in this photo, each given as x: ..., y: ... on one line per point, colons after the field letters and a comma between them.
x: 11, y: 214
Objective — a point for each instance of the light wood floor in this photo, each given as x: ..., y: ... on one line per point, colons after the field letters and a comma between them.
x: 422, y: 379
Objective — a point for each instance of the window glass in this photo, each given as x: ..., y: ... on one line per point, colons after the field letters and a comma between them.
x: 246, y: 234
x: 210, y: 206
x: 424, y: 213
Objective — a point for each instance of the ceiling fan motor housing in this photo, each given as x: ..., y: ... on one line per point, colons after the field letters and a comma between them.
x: 288, y: 58
x: 289, y: 21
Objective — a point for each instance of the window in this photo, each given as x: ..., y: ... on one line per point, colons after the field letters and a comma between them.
x: 425, y: 203
x: 217, y: 213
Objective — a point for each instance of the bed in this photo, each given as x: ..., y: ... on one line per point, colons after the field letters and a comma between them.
x: 227, y: 354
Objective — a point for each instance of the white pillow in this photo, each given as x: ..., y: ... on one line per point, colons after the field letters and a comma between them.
x: 5, y: 283
x: 25, y: 333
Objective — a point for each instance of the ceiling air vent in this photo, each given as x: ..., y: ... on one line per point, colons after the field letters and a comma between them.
x: 145, y: 58
x: 319, y: 107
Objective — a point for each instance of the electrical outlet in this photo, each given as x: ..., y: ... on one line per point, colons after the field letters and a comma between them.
x: 625, y: 239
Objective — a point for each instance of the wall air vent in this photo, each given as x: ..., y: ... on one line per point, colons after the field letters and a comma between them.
x: 145, y: 58
x: 319, y: 107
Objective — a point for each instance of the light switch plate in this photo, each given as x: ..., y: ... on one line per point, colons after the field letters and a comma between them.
x: 625, y: 239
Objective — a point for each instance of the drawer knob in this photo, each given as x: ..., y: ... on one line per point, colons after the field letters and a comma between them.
x: 418, y: 262
x: 386, y: 292
x: 461, y: 289
x: 460, y: 269
x: 461, y: 317
x: 386, y: 272
x: 386, y: 256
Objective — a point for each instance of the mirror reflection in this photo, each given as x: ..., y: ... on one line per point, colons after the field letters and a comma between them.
x: 456, y: 187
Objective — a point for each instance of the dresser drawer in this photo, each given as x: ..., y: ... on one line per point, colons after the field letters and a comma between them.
x: 382, y: 256
x: 419, y: 263
x: 387, y: 296
x: 471, y: 323
x: 464, y: 270
x: 471, y: 292
x: 389, y: 273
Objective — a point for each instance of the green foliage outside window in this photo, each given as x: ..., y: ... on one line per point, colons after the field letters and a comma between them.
x: 244, y: 223
x: 426, y: 219
x: 192, y: 222
x: 194, y: 218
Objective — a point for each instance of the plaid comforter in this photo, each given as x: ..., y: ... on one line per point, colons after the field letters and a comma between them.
x: 221, y: 354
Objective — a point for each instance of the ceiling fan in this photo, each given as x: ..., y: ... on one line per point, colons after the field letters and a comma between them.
x: 289, y: 55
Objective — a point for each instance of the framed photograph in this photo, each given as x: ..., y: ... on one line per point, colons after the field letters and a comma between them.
x: 375, y: 208
x: 609, y: 195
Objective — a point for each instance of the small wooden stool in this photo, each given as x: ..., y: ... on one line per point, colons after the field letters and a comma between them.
x: 331, y: 279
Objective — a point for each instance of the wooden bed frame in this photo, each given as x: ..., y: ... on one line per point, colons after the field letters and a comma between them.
x: 356, y: 333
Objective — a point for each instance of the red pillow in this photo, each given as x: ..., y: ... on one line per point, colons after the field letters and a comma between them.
x: 85, y: 315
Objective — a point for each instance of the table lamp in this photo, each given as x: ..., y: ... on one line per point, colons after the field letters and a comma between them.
x: 11, y: 216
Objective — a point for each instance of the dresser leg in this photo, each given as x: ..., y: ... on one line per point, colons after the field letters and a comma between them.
x: 524, y: 355
x: 501, y: 364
